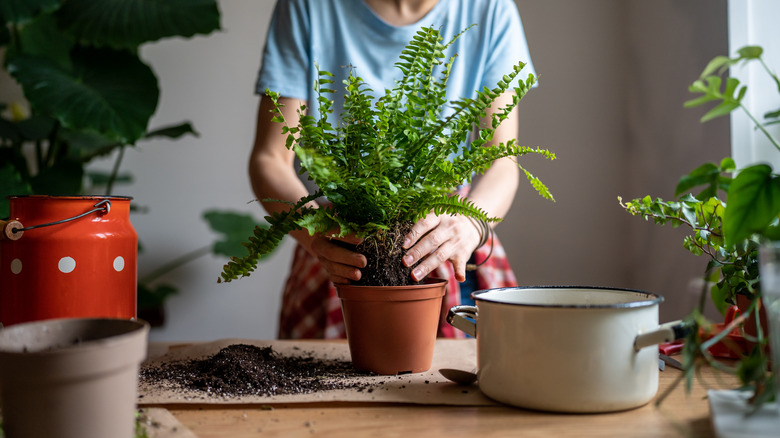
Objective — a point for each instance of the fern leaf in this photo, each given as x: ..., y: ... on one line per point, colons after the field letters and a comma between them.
x: 265, y: 239
x: 538, y: 185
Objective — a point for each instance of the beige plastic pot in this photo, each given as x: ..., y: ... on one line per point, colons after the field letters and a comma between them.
x: 71, y: 377
x: 566, y: 349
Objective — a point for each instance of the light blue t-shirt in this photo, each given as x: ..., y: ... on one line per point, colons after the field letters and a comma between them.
x: 338, y: 35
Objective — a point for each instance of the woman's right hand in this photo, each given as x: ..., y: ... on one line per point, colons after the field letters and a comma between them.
x: 342, y: 263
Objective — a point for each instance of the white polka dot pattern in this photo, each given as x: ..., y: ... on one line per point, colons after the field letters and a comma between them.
x: 119, y: 264
x: 67, y: 265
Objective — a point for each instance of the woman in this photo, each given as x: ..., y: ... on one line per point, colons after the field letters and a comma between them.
x: 306, y: 36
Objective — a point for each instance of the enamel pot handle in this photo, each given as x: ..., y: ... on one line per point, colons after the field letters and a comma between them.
x: 464, y: 318
x: 667, y: 332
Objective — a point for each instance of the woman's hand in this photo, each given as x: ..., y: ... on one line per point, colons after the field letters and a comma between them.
x: 436, y: 239
x: 273, y: 176
x: 341, y: 262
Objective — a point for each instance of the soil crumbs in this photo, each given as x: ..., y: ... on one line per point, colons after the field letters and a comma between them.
x: 247, y: 370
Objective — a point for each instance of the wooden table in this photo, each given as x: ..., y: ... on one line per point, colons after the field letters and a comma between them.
x: 680, y: 415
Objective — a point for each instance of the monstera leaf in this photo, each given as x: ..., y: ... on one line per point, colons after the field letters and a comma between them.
x: 129, y: 23
x: 79, y: 63
x: 108, y: 91
x: 233, y: 228
x: 19, y: 11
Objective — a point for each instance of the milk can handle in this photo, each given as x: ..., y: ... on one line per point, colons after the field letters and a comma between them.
x: 16, y: 233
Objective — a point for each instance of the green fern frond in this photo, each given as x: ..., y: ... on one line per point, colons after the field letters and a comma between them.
x: 265, y: 239
x: 538, y: 185
x: 390, y: 159
x: 457, y: 205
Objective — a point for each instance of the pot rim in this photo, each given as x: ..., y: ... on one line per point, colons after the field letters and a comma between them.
x: 121, y: 331
x: 75, y: 197
x: 651, y: 299
x: 429, y: 289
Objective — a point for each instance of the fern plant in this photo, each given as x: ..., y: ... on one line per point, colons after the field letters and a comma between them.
x: 391, y: 160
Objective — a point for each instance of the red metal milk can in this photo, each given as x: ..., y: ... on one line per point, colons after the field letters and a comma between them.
x: 67, y: 256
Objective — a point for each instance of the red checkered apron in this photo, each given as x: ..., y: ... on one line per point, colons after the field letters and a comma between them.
x: 311, y: 307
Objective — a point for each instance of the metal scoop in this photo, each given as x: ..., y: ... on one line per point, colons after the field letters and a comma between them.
x: 460, y: 377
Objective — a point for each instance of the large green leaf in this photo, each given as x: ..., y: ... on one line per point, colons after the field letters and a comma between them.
x: 710, y: 175
x: 36, y: 127
x: 101, y: 179
x: 108, y: 91
x: 19, y: 11
x: 42, y: 37
x: 64, y: 178
x: 10, y: 184
x: 86, y: 145
x: 130, y: 23
x: 172, y: 131
x: 750, y: 52
x: 753, y: 203
x: 9, y: 131
x: 5, y: 36
x: 233, y: 228
x: 152, y: 297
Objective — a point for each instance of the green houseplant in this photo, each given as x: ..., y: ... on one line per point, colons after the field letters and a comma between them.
x: 734, y: 211
x: 390, y: 161
x: 88, y: 95
x: 89, y: 92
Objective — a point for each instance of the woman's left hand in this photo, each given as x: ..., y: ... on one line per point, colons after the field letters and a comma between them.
x: 436, y: 239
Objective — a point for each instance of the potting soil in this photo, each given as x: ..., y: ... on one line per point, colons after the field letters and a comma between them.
x: 241, y: 370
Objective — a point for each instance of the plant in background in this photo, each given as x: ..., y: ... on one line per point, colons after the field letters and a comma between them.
x: 231, y: 228
x: 392, y: 160
x: 89, y: 95
x: 728, y: 219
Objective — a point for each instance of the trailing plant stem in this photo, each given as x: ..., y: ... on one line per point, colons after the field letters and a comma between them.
x: 175, y: 264
x: 115, y: 170
x: 51, y: 153
x: 761, y: 127
x: 770, y: 72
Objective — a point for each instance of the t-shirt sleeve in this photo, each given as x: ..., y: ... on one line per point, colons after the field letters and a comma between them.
x: 286, y: 56
x: 507, y: 46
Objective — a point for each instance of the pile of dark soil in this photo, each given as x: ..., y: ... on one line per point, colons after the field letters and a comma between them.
x: 241, y: 370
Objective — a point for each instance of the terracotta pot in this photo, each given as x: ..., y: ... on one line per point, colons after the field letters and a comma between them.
x: 67, y: 257
x: 392, y: 329
x: 71, y: 377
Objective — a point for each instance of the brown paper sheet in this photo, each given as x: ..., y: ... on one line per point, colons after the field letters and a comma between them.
x: 421, y: 388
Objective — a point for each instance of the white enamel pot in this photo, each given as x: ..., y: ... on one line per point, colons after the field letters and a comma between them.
x: 566, y: 349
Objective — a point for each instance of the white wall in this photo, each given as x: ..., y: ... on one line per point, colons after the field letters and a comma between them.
x: 754, y: 22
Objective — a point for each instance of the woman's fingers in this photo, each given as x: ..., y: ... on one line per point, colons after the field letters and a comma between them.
x: 432, y: 241
x: 419, y: 229
x: 342, y: 263
x: 436, y: 239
